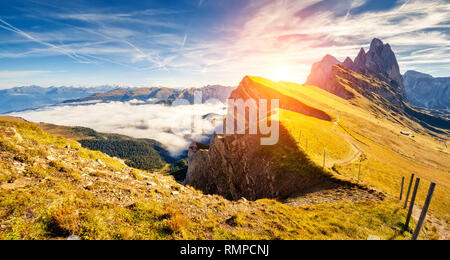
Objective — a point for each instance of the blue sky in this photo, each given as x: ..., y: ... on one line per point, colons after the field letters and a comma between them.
x: 191, y: 43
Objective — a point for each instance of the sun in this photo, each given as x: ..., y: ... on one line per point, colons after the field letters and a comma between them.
x: 280, y: 74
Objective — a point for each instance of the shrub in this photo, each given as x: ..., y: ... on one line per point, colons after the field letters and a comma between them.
x: 236, y: 221
x: 23, y: 158
x: 59, y: 166
x: 35, y: 171
x: 6, y: 146
x: 62, y: 222
x: 136, y: 175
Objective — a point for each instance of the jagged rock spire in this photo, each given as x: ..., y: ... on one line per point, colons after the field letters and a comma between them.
x: 348, y: 63
x: 360, y: 60
x: 380, y: 59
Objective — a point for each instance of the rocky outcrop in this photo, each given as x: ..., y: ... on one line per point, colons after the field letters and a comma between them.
x: 379, y: 63
x: 232, y: 168
x: 423, y: 90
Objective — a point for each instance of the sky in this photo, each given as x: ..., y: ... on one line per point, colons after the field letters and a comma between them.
x: 193, y: 43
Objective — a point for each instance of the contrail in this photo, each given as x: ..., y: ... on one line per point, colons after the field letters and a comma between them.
x: 73, y: 56
x: 200, y: 3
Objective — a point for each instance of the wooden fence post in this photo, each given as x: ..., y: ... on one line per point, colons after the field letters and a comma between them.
x: 324, y: 156
x: 424, y: 211
x: 359, y: 170
x: 409, y: 191
x: 401, y: 190
x: 411, y: 205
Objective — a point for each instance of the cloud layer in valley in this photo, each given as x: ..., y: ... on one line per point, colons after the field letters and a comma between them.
x: 171, y: 126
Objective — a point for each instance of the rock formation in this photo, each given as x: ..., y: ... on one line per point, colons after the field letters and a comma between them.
x: 376, y: 76
x: 379, y: 63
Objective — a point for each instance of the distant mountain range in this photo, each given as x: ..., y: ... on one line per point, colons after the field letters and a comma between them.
x: 32, y: 97
x: 425, y: 91
x: 156, y: 95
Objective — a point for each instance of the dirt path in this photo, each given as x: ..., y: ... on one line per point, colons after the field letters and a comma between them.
x: 19, y: 183
x: 349, y: 159
x: 339, y: 191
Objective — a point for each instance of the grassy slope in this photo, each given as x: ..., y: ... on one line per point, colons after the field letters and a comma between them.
x: 390, y: 154
x: 50, y: 188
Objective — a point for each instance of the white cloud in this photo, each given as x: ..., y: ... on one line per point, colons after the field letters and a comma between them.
x: 169, y: 125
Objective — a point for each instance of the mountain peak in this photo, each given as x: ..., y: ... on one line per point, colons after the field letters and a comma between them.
x: 322, y: 70
x: 348, y: 63
x: 414, y: 73
x: 360, y: 60
x: 376, y: 43
x: 380, y: 60
x: 329, y: 58
x: 361, y: 52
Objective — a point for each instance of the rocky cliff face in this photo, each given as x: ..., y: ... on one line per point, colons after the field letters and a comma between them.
x: 344, y: 82
x: 237, y: 166
x: 380, y: 61
x: 231, y: 168
x: 423, y: 90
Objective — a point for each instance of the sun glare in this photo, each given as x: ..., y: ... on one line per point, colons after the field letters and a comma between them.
x: 281, y: 74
